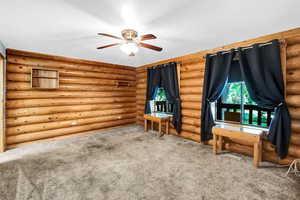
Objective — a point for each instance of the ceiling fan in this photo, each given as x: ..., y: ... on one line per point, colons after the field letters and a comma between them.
x: 130, y: 42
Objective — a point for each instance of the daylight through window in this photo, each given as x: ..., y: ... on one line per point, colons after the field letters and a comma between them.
x: 235, y: 105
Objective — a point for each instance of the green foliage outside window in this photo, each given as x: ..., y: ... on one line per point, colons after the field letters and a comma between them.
x: 236, y: 93
x: 233, y: 92
x: 160, y: 95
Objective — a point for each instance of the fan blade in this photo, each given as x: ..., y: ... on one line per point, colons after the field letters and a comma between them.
x: 109, y: 45
x: 149, y: 46
x: 108, y: 35
x: 148, y: 37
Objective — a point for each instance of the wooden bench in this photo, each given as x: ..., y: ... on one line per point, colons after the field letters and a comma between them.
x: 251, y: 135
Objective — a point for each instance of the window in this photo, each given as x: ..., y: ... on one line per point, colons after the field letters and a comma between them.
x: 44, y: 78
x: 236, y: 105
x: 160, y: 102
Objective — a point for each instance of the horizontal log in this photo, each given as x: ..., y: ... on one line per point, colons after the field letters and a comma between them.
x: 272, y: 157
x: 140, y: 107
x: 239, y: 141
x: 295, y: 113
x: 18, y: 77
x: 191, y: 128
x: 24, y: 86
x: 140, y: 116
x: 191, y: 98
x: 191, y: 113
x: 292, y: 40
x: 293, y: 63
x: 67, y: 80
x: 191, y: 74
x: 140, y: 75
x: 196, y: 66
x: 191, y: 82
x: 140, y: 102
x: 191, y: 105
x: 293, y: 100
x: 294, y: 150
x: 63, y: 94
x: 295, y: 139
x: 33, y: 119
x: 293, y: 50
x: 293, y: 88
x: 96, y: 131
x: 141, y: 98
x: 246, y: 150
x: 141, y: 81
x: 191, y: 121
x: 30, y: 128
x: 186, y: 135
x: 16, y: 68
x: 269, y: 156
x: 52, y: 64
x: 141, y: 92
x: 21, y: 112
x: 64, y: 131
x: 27, y: 103
x: 296, y: 126
x: 293, y: 75
x: 191, y: 90
x: 141, y: 86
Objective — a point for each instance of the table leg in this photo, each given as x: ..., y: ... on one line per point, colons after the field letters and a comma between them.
x: 152, y: 126
x: 159, y: 128
x: 146, y: 125
x: 256, y: 154
x: 215, y: 137
x: 167, y: 127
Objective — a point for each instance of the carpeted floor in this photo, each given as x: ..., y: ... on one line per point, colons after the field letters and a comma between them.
x: 130, y: 164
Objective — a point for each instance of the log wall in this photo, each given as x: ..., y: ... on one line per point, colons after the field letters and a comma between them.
x: 87, y: 99
x: 192, y: 74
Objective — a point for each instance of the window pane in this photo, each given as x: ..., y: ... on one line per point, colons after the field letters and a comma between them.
x: 160, y: 94
x: 232, y: 94
x: 252, y: 112
x: 246, y: 97
x: 236, y: 101
x: 229, y: 105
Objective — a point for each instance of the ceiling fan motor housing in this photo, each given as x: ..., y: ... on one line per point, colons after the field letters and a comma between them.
x: 129, y: 34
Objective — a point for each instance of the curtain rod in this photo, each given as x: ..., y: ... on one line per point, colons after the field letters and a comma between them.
x: 243, y: 48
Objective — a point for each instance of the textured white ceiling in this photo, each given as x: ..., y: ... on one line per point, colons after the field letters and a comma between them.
x: 70, y: 27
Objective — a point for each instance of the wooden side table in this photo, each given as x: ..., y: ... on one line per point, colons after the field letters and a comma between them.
x: 158, y: 118
x: 238, y: 132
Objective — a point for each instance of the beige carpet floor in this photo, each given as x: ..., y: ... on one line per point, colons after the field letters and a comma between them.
x: 129, y: 164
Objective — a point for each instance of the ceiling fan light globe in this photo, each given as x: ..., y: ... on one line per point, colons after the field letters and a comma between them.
x: 129, y: 48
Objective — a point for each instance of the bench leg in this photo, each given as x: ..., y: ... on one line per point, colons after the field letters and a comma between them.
x: 215, y: 145
x: 220, y: 143
x: 146, y: 125
x: 256, y: 154
x: 260, y: 150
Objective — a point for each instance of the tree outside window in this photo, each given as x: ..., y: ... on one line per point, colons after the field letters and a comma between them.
x: 236, y: 99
